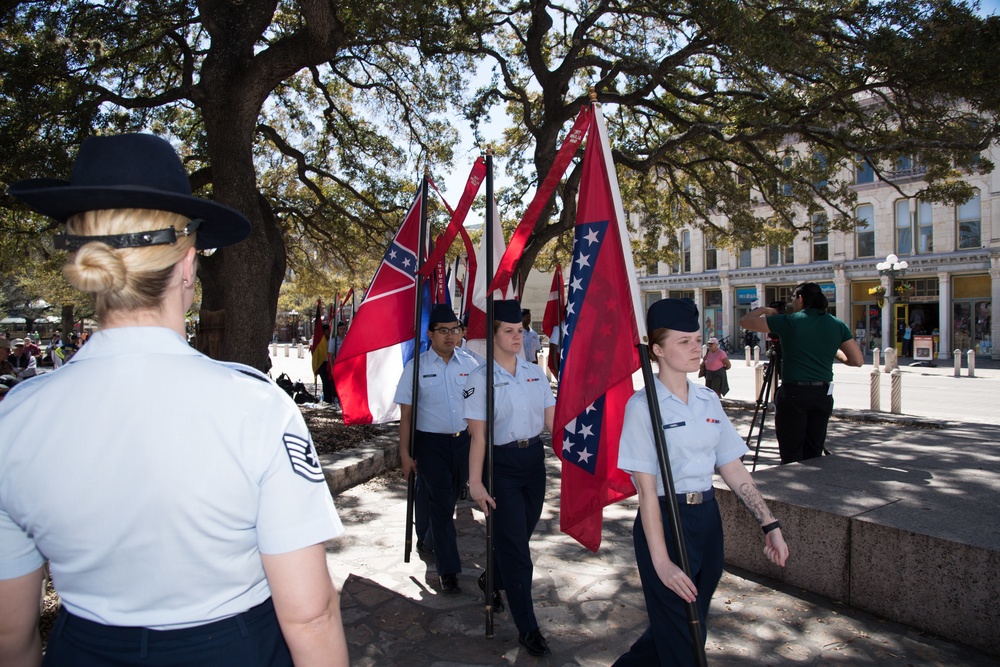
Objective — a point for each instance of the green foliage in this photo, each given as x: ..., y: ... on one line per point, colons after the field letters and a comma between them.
x: 741, y: 111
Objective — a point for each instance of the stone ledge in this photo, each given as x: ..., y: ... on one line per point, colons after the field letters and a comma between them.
x: 356, y: 466
x: 917, y: 544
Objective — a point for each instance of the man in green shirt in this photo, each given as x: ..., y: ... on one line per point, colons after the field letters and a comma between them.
x: 811, y: 339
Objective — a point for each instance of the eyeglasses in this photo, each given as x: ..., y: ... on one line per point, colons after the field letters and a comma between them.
x: 445, y: 331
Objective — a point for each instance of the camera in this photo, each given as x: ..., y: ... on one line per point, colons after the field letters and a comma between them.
x: 778, y: 306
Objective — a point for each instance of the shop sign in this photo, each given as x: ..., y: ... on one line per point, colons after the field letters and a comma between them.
x: 746, y: 295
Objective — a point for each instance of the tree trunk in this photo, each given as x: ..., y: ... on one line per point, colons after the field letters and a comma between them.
x: 243, y: 280
x: 67, y: 322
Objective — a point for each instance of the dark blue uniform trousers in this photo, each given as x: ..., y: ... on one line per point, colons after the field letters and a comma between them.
x: 250, y: 639
x: 801, y: 415
x: 519, y: 491
x: 442, y: 471
x: 667, y: 640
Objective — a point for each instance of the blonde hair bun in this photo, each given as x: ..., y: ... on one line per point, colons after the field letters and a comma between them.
x: 96, y: 268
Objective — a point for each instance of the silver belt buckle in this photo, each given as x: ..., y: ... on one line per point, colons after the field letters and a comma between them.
x: 694, y: 498
x: 521, y: 444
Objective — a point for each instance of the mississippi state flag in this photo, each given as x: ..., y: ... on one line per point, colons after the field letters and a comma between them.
x: 380, y: 339
x: 599, y: 349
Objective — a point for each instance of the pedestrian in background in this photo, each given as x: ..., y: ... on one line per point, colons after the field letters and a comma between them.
x: 523, y: 406
x: 178, y: 500
x: 714, y: 366
x: 532, y: 343
x: 700, y: 440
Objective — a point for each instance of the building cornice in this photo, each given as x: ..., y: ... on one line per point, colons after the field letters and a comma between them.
x: 855, y: 269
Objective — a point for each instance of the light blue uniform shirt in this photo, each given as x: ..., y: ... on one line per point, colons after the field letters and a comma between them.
x: 519, y: 401
x: 440, y: 408
x: 532, y: 344
x: 700, y: 437
x: 164, y: 478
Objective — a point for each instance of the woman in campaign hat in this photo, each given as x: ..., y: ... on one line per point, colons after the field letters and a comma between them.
x: 178, y: 500
x: 700, y: 439
x: 523, y: 406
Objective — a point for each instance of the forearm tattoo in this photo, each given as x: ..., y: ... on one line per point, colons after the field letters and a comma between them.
x: 752, y: 500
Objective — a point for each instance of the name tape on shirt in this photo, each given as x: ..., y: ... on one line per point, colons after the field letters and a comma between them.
x: 674, y: 425
x: 303, y: 457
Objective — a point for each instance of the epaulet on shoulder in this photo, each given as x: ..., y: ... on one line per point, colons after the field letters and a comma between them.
x: 249, y: 371
x: 706, y: 390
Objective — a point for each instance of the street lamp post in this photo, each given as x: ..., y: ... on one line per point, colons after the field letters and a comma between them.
x: 890, y: 269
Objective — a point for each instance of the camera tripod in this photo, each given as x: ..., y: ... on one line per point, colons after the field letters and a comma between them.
x: 774, y: 361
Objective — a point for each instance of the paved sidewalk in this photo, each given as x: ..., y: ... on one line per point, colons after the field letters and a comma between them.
x: 590, y: 606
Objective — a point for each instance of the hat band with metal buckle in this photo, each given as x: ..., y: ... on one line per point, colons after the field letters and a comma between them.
x: 166, y: 236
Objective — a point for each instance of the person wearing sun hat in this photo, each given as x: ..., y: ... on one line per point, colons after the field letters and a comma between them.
x: 700, y: 439
x: 24, y: 363
x: 193, y: 481
x: 714, y: 365
x: 523, y: 406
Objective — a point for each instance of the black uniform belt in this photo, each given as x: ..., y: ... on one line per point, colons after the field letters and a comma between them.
x: 445, y: 435
x: 695, y: 497
x: 521, y: 444
x: 806, y: 384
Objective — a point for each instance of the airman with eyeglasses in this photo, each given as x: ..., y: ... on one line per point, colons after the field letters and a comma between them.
x: 440, y: 452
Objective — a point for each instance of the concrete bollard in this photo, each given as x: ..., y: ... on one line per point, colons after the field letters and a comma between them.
x: 747, y: 354
x: 274, y: 349
x: 758, y: 379
x: 891, y: 362
x: 299, y: 346
x: 896, y: 395
x: 286, y: 349
x: 876, y: 399
x: 972, y: 363
x: 876, y: 358
x: 756, y: 354
x: 957, y: 355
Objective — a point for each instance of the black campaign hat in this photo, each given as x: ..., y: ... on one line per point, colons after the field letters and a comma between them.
x: 442, y: 314
x: 132, y: 171
x: 676, y: 314
x: 507, y: 311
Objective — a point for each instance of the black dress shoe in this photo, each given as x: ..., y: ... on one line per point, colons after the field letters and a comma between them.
x: 498, y: 605
x: 534, y: 643
x: 449, y: 584
x: 423, y: 549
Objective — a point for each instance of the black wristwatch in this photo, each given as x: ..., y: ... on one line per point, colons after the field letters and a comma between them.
x: 771, y: 526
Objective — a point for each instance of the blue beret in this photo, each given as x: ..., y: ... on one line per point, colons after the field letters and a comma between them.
x: 676, y: 314
x: 507, y: 311
x: 442, y: 314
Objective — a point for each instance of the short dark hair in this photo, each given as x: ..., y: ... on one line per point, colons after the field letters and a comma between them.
x: 525, y: 311
x: 812, y: 296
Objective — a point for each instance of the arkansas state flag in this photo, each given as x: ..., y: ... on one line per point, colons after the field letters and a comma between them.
x: 599, y: 349
x: 380, y: 338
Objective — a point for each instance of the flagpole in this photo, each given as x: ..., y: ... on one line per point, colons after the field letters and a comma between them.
x: 411, y: 480
x: 694, y: 621
x: 490, y: 391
